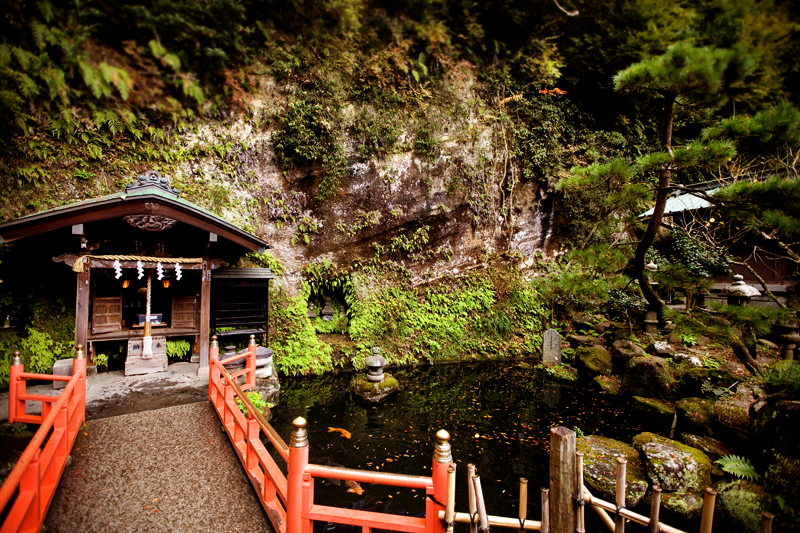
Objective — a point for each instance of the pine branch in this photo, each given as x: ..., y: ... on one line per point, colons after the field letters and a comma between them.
x: 762, y: 282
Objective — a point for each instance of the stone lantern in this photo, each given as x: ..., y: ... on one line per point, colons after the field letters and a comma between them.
x: 739, y: 292
x: 327, y: 311
x: 311, y: 312
x: 790, y: 337
x: 230, y: 351
x: 375, y: 364
x: 651, y: 317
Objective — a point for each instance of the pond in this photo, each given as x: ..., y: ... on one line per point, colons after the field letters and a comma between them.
x: 499, y: 416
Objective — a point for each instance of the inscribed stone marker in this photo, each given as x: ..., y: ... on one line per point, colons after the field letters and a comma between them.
x: 551, y: 350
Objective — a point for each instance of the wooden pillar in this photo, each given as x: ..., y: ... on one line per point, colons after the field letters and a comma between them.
x: 562, y: 480
x: 82, y: 307
x: 205, y: 312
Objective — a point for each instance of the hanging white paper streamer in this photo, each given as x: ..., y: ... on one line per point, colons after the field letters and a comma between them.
x: 178, y: 272
x: 140, y: 269
x: 160, y: 270
x: 117, y: 269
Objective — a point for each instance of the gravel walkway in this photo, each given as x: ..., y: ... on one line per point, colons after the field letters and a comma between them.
x: 164, y: 470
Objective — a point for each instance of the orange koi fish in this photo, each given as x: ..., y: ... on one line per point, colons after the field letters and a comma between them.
x: 344, y: 432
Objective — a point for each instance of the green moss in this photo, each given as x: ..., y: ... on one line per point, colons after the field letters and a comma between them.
x: 607, y: 384
x: 673, y: 466
x: 660, y: 406
x: 687, y: 504
x: 600, y: 465
x: 742, y: 502
x: 594, y: 359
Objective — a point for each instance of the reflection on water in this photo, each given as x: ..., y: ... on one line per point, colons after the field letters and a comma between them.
x: 498, y: 414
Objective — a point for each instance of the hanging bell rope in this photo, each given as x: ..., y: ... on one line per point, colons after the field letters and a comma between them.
x: 78, y: 266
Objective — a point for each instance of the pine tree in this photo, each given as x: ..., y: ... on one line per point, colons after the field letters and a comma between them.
x: 683, y: 74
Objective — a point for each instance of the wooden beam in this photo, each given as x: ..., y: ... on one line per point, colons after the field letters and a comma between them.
x: 82, y: 309
x: 69, y: 259
x: 205, y: 312
x: 562, y: 480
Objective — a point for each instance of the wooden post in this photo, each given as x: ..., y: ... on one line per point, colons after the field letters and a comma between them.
x: 523, y: 501
x: 205, y: 312
x: 545, y: 510
x: 766, y: 522
x: 82, y: 306
x: 298, y: 461
x: 707, y: 520
x: 484, y: 518
x: 473, y: 503
x: 442, y: 459
x: 619, y: 522
x: 16, y: 407
x: 562, y: 480
x: 655, y: 509
x: 450, y: 509
x: 581, y: 517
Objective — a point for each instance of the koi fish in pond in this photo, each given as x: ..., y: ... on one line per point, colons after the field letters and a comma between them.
x: 344, y: 432
x: 354, y: 487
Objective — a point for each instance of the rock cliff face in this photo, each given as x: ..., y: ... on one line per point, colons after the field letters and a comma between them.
x: 432, y: 213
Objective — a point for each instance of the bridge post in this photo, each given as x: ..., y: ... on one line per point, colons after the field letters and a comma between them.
x: 15, y: 406
x: 298, y: 462
x: 251, y: 362
x: 79, y: 367
x: 442, y: 459
x: 213, y: 356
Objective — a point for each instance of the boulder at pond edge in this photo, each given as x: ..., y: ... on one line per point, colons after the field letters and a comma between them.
x: 673, y: 466
x: 600, y: 467
x: 740, y: 503
x: 593, y: 360
x: 646, y: 376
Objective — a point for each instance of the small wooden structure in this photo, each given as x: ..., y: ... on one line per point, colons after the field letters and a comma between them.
x: 142, y: 246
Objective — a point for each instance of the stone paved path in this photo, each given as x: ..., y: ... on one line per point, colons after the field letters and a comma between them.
x: 164, y: 470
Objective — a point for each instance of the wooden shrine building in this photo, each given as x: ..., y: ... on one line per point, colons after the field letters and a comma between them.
x: 144, y: 246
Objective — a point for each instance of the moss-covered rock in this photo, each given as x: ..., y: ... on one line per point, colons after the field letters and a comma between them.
x: 626, y: 350
x: 582, y: 340
x: 695, y: 415
x: 688, y: 504
x: 593, y: 360
x: 733, y: 412
x: 562, y: 373
x: 646, y: 376
x: 673, y: 466
x: 373, y: 393
x: 658, y: 413
x: 607, y: 384
x: 600, y: 467
x: 740, y: 503
x: 713, y: 448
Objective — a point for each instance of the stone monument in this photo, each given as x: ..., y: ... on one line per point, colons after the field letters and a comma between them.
x: 551, y: 348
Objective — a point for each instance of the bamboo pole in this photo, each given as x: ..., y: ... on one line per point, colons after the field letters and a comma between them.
x: 580, y: 526
x: 707, y: 520
x: 523, y: 502
x: 598, y: 511
x: 545, y: 510
x: 629, y: 515
x: 619, y: 522
x: 497, y: 521
x: 655, y: 509
x: 450, y: 508
x: 473, y: 504
x: 484, y: 519
x: 766, y: 522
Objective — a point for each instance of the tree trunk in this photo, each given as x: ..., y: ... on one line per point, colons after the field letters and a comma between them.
x: 654, y: 303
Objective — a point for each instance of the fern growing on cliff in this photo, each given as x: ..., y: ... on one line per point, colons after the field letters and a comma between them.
x: 738, y: 466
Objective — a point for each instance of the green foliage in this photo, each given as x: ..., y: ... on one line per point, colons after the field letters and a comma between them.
x: 688, y: 339
x: 738, y: 466
x: 486, y: 314
x: 783, y: 477
x: 101, y: 360
x: 783, y: 377
x: 578, y: 432
x: 266, y: 260
x: 297, y: 349
x: 256, y: 399
x: 178, y: 349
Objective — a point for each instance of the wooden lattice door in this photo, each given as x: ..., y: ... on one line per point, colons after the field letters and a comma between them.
x: 107, y: 314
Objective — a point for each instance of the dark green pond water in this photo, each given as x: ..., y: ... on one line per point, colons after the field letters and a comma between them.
x: 499, y: 417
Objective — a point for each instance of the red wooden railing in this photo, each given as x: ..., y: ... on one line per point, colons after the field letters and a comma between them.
x: 35, y: 477
x: 289, y: 500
